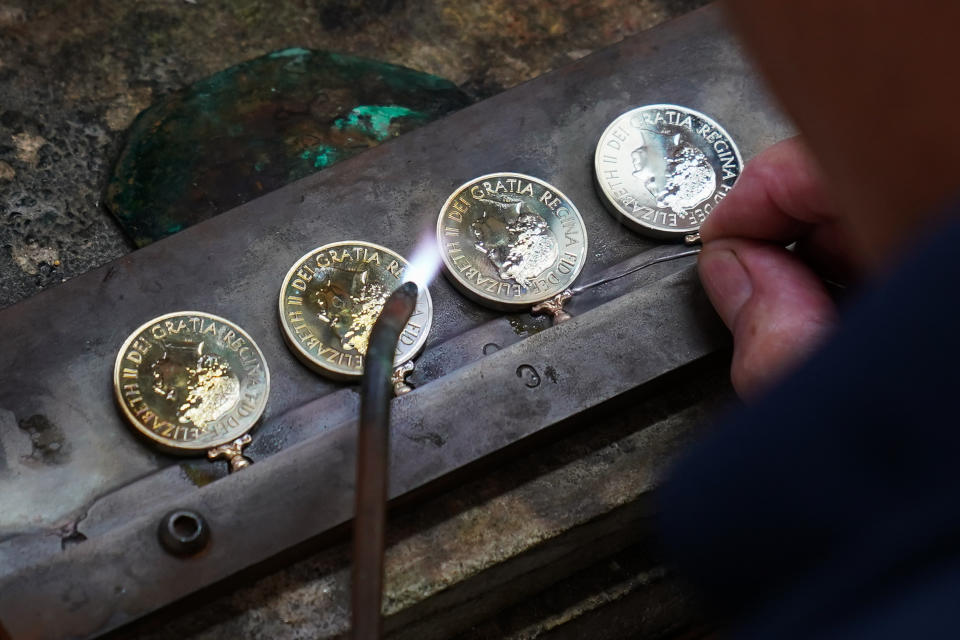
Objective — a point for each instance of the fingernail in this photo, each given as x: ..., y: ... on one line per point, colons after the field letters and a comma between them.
x: 726, y: 282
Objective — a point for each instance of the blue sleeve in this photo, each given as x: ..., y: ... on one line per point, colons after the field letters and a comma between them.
x: 831, y: 507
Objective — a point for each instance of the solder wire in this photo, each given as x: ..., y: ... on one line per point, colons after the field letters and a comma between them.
x: 634, y: 269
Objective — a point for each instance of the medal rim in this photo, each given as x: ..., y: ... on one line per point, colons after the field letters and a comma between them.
x: 479, y: 297
x: 146, y: 433
x: 614, y: 207
x: 319, y: 367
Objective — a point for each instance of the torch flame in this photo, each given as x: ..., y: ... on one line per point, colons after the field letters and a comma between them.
x: 424, y: 263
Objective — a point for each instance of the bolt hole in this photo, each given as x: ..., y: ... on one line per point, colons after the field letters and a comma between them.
x: 185, y: 527
x: 183, y: 532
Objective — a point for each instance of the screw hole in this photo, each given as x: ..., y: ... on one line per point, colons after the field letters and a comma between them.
x: 186, y: 527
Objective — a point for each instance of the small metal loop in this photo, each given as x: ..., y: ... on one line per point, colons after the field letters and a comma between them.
x: 233, y: 452
x: 554, y: 307
x: 238, y: 462
x: 399, y: 378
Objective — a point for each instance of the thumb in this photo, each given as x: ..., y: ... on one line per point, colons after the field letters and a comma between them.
x: 776, y: 307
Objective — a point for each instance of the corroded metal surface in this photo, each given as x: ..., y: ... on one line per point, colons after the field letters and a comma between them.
x: 74, y: 75
x: 57, y: 347
x: 258, y: 126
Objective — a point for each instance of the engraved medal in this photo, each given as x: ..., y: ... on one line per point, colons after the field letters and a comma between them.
x: 511, y: 241
x: 192, y: 382
x: 662, y: 168
x: 330, y: 299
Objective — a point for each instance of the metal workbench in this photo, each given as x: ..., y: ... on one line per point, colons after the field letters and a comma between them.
x: 81, y: 496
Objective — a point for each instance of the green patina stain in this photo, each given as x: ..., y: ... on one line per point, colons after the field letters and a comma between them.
x: 375, y: 120
x: 321, y: 156
x: 257, y: 126
x: 289, y: 53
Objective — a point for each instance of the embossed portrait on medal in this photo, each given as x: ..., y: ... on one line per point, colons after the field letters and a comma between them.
x: 662, y: 168
x: 517, y: 241
x: 201, y: 387
x: 331, y: 298
x: 673, y: 171
x: 349, y: 303
x: 190, y: 382
x: 510, y: 241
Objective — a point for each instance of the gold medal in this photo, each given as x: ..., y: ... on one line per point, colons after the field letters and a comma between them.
x: 192, y: 382
x: 330, y: 299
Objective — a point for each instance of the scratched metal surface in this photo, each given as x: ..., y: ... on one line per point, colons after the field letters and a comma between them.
x: 57, y: 349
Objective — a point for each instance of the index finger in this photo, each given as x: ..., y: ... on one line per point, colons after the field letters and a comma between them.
x: 779, y: 197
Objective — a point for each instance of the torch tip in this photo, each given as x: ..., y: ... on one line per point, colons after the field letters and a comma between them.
x: 409, y: 289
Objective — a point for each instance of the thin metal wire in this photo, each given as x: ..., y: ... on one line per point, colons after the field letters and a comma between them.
x: 634, y: 269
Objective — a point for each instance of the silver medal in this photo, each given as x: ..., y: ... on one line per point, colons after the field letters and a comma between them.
x: 662, y: 168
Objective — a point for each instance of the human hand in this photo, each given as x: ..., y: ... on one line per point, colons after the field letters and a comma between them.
x: 771, y: 299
